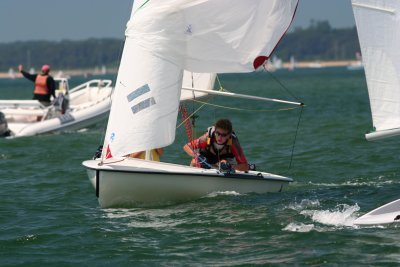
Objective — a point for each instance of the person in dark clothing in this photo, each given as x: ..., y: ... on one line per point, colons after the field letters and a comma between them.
x: 4, y: 131
x: 44, y: 84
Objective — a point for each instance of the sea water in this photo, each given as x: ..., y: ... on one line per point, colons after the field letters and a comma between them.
x: 49, y: 214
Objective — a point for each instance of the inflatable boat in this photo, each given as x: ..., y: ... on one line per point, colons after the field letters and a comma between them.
x: 80, y: 107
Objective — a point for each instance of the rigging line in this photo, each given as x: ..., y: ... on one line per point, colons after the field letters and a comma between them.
x: 250, y: 110
x: 191, y: 115
x: 221, y: 88
x: 193, y: 107
x: 219, y: 83
x: 295, y: 137
x: 281, y: 84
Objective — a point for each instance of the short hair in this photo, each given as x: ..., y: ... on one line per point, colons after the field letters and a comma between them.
x: 224, y: 124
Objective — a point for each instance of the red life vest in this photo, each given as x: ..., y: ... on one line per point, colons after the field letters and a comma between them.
x: 41, y: 85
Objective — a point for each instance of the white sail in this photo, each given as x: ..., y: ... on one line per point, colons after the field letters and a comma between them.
x: 212, y: 36
x: 203, y: 81
x: 378, y: 26
x: 165, y: 37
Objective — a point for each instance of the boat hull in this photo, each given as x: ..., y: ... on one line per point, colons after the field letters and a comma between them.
x: 89, y: 103
x: 73, y: 120
x: 128, y: 184
x: 386, y: 214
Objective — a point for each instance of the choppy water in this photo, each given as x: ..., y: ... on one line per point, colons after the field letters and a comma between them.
x: 49, y: 214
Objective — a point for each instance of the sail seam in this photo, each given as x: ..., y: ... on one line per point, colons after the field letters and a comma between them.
x: 391, y: 11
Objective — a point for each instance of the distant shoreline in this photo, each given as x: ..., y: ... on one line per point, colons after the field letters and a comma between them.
x: 285, y: 65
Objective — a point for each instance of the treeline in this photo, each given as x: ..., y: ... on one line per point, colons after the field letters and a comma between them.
x: 317, y: 42
x: 61, y: 55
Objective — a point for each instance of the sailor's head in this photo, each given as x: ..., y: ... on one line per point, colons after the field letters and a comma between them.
x: 223, y: 130
x: 45, y: 69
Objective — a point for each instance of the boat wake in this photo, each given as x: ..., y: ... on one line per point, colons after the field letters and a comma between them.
x: 222, y: 193
x: 378, y: 182
x: 342, y: 216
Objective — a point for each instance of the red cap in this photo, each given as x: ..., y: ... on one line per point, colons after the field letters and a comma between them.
x: 45, y: 68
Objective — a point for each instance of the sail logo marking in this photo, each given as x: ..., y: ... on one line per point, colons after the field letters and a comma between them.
x: 138, y: 92
x: 189, y: 29
x: 143, y: 104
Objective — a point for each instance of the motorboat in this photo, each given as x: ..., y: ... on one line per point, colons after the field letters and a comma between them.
x: 76, y: 108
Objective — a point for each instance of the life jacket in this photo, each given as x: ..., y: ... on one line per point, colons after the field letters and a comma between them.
x: 213, y: 154
x: 41, y: 85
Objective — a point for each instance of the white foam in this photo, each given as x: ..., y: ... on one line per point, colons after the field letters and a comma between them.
x: 342, y: 215
x: 299, y: 227
x: 223, y: 193
x: 305, y: 203
x: 378, y: 182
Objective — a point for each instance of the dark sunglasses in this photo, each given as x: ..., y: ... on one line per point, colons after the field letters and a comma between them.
x: 221, y: 134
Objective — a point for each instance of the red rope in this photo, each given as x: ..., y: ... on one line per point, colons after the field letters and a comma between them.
x: 188, y: 125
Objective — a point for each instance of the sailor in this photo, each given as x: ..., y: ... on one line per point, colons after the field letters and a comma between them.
x: 219, y: 147
x: 44, y: 84
x: 4, y: 131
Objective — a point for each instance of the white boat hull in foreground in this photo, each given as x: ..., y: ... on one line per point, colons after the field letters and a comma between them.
x: 133, y: 182
x: 389, y: 213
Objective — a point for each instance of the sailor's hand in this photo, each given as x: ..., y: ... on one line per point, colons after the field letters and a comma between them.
x: 201, y: 159
x: 20, y: 68
x: 225, y: 166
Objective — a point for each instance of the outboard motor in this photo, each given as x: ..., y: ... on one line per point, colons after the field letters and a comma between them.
x: 4, y: 131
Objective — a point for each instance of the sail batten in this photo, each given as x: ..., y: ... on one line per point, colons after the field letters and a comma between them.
x: 377, y: 8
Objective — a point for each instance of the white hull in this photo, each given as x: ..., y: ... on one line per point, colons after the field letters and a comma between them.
x: 72, y: 120
x: 389, y: 213
x: 132, y: 182
x: 382, y: 134
x: 89, y: 104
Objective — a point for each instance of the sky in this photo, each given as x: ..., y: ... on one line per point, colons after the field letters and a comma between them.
x: 56, y: 20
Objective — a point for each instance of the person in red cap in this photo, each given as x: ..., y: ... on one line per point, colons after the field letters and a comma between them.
x: 44, y: 84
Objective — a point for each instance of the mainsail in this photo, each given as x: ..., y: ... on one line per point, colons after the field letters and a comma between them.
x: 378, y: 26
x: 196, y: 80
x: 165, y: 37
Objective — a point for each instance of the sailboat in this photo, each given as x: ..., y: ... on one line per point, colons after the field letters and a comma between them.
x: 378, y: 24
x: 162, y: 39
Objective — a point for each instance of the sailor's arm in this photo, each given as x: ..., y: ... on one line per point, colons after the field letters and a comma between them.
x: 192, y: 147
x: 189, y: 150
x: 242, y: 164
x: 244, y: 167
x: 27, y: 75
